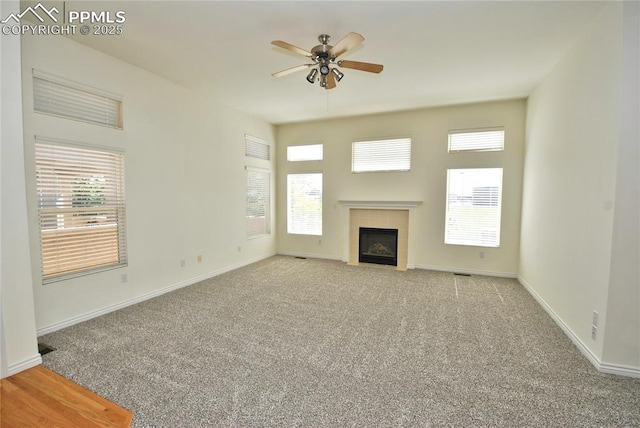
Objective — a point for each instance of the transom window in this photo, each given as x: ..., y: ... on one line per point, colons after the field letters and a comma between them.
x: 381, y: 155
x: 476, y: 140
x: 61, y: 97
x: 308, y: 152
x: 256, y: 148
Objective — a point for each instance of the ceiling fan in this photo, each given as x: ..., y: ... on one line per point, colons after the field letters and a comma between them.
x: 325, y: 59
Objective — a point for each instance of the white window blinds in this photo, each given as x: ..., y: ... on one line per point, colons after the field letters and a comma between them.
x: 474, y: 202
x: 61, y: 97
x: 258, y: 202
x: 256, y: 148
x: 307, y: 152
x: 476, y: 140
x: 381, y: 155
x: 81, y: 207
x: 304, y: 204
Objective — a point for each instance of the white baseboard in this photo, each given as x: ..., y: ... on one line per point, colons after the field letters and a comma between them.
x: 30, y: 362
x: 602, y: 367
x: 467, y: 271
x: 563, y: 326
x: 619, y: 370
x: 103, y: 311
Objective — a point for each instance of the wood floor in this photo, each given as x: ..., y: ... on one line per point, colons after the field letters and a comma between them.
x: 39, y: 397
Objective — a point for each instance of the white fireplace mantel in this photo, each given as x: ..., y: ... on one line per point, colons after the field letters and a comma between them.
x: 381, y: 204
x: 349, y: 205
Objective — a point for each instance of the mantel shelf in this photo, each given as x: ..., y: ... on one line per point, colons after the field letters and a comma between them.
x: 381, y: 204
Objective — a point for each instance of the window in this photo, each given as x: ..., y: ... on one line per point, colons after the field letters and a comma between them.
x: 381, y: 155
x: 258, y: 202
x: 81, y: 208
x: 304, y: 204
x: 308, y: 152
x: 480, y: 140
x: 60, y: 97
x: 473, y: 207
x: 256, y: 148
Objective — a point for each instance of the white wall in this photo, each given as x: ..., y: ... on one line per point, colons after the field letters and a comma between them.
x: 570, y: 206
x: 185, y: 181
x: 426, y: 181
x: 18, y: 343
x: 622, y: 339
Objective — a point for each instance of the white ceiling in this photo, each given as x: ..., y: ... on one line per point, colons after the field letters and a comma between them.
x: 434, y: 52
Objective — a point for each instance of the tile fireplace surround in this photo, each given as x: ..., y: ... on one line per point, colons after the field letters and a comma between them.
x: 380, y: 214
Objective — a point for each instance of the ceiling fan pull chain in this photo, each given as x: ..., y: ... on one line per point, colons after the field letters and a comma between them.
x: 327, y: 92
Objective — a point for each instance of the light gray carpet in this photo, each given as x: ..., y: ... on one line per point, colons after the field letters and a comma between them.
x: 317, y: 343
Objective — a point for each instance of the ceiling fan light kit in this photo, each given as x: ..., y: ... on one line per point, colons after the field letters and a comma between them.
x: 311, y: 77
x: 325, y: 60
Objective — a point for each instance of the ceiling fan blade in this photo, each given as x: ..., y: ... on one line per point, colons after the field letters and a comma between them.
x: 362, y: 66
x: 349, y: 41
x: 331, y: 81
x: 292, y: 48
x: 291, y: 70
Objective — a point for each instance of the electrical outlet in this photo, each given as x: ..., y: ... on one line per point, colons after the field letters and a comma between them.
x: 239, y: 248
x: 199, y: 258
x: 594, y: 332
x: 482, y: 254
x: 124, y: 278
x: 319, y: 241
x: 183, y: 262
x: 594, y: 320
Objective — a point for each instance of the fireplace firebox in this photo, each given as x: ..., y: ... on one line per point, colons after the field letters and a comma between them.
x: 378, y: 246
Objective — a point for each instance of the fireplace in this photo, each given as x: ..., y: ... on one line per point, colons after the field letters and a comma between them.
x: 378, y: 246
x: 381, y: 214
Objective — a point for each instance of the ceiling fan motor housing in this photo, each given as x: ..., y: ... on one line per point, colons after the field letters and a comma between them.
x: 321, y: 52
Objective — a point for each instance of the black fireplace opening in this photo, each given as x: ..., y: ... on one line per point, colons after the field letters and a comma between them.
x: 378, y: 246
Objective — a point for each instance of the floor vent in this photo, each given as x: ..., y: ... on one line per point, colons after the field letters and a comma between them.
x: 462, y: 274
x: 44, y: 349
x: 301, y: 258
